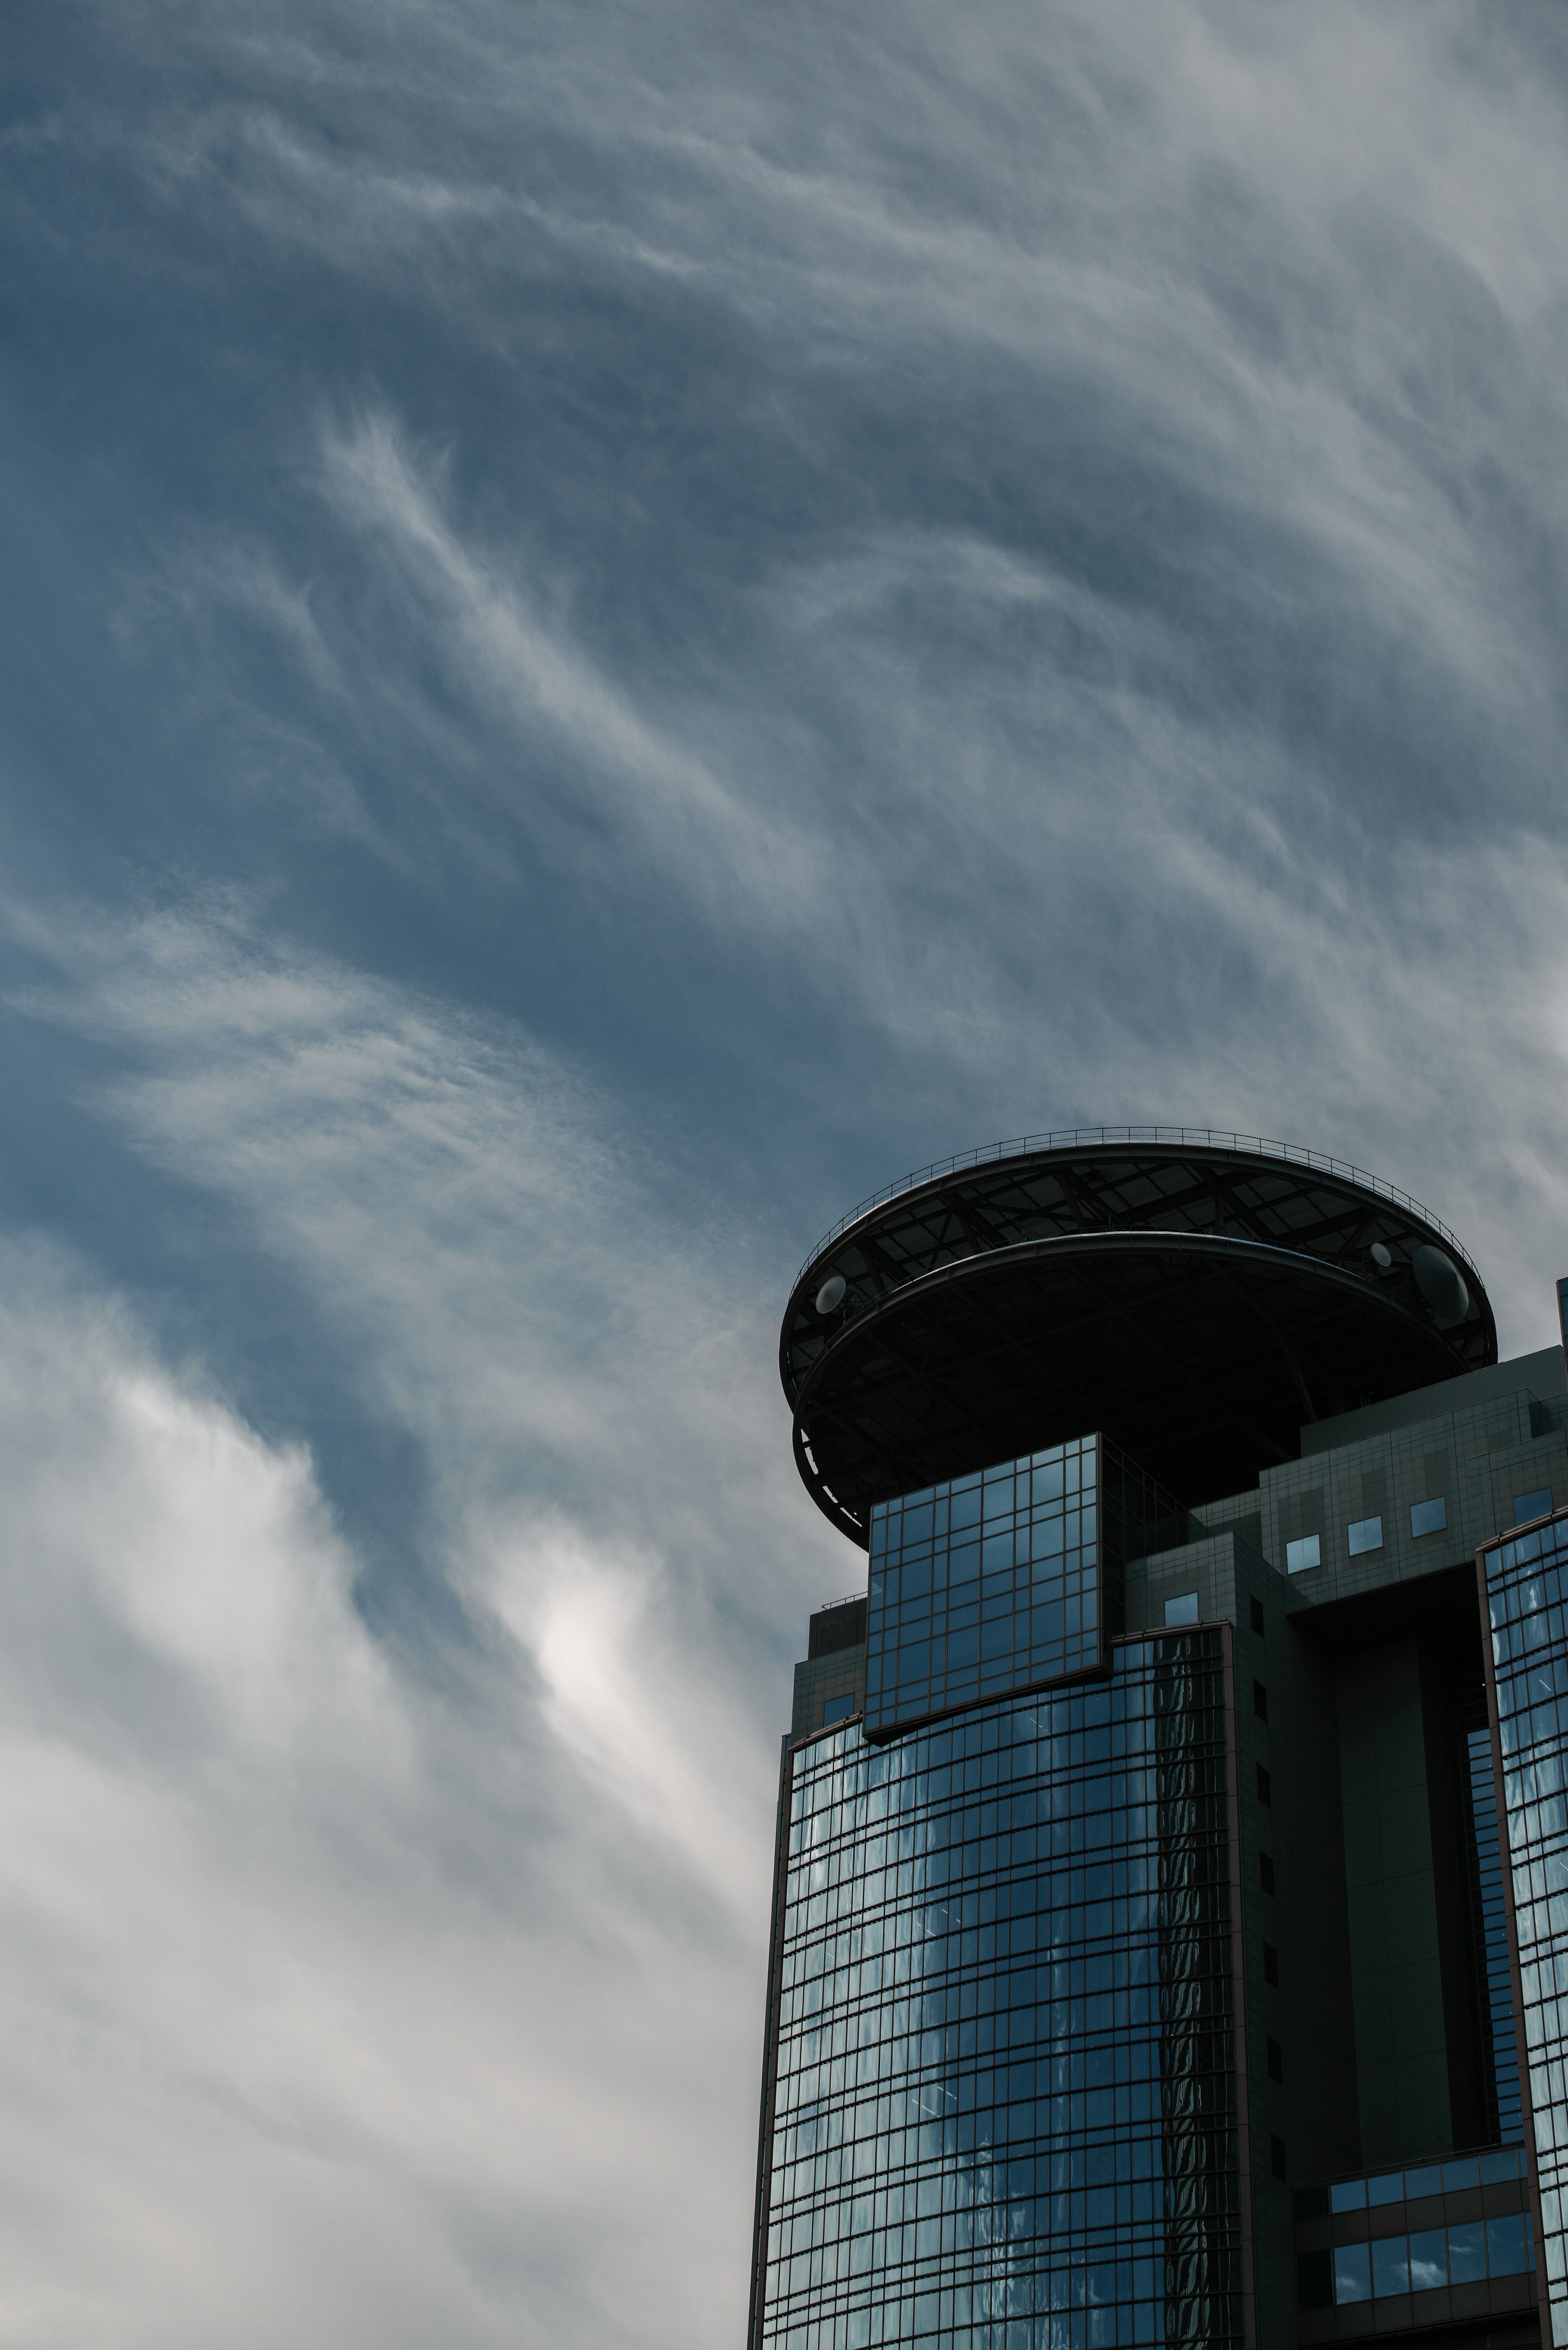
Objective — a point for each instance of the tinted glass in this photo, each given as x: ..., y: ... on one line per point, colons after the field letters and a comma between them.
x: 1299, y: 1555
x: 1467, y: 2252
x: 1532, y: 1505
x: 1352, y: 2274
x: 1429, y: 1517
x: 1460, y: 2174
x: 1365, y: 1534
x: 1390, y: 2190
x: 1003, y: 2077
x: 1390, y: 2265
x: 1429, y: 2260
x: 1347, y: 2195
x: 1423, y: 2182
x: 1183, y: 1609
x: 1526, y: 1587
x: 1505, y: 2245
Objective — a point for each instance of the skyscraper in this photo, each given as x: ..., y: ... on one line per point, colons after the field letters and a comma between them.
x: 1171, y: 1901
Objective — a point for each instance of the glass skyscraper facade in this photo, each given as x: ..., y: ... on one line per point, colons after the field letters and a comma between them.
x: 1005, y: 2108
x: 1170, y: 1924
x: 1526, y: 1591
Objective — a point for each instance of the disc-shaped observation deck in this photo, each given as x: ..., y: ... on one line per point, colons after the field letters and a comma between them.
x: 1196, y: 1296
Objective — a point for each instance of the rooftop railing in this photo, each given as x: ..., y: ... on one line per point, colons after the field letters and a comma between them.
x: 1182, y: 1137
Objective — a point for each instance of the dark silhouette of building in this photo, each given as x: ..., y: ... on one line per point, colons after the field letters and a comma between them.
x: 1171, y: 1901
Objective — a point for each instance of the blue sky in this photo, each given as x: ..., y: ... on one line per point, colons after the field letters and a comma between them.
x: 617, y: 625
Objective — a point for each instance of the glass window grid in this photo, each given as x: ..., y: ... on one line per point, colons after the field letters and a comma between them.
x: 1427, y: 2260
x: 1005, y: 1580
x: 1527, y: 1582
x: 986, y: 2119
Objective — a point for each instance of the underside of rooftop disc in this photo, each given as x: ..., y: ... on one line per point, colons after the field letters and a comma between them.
x: 1197, y: 1302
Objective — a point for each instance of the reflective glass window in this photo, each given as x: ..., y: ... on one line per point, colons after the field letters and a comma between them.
x: 1429, y: 1517
x: 1183, y: 1609
x: 1363, y: 1535
x: 1307, y: 1552
x: 1429, y: 2260
x: 1347, y: 2195
x: 1391, y: 2189
x: 1390, y: 2265
x: 1423, y: 2182
x: 1532, y: 1505
x: 1003, y: 2081
x: 1526, y: 1583
x: 1352, y: 2274
x: 1467, y: 2252
x: 1505, y: 2253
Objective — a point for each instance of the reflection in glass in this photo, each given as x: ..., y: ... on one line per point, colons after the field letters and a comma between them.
x: 1467, y: 2252
x: 1505, y: 2254
x: 1003, y: 2089
x: 1429, y: 2260
x: 1526, y: 1585
x: 1352, y: 2274
x: 1390, y: 2265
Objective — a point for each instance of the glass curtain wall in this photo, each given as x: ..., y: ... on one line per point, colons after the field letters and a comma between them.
x: 1526, y: 1584
x: 1004, y: 2112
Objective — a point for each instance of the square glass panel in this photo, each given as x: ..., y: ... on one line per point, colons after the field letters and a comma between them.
x: 1423, y: 2182
x: 1429, y: 1517
x: 1467, y: 2252
x: 1182, y: 1609
x: 1352, y: 2272
x: 1505, y: 2246
x: 1347, y: 2195
x: 1504, y: 2164
x: 837, y: 1708
x: 1532, y: 1505
x: 1391, y: 2189
x: 1363, y: 1535
x: 1429, y: 2260
x: 1457, y: 2175
x: 1390, y: 2265
x: 1300, y: 1556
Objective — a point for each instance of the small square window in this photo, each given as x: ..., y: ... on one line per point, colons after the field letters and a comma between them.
x: 1532, y: 1505
x: 1182, y: 1609
x: 1429, y: 1517
x: 1277, y: 2157
x: 1266, y: 1872
x: 837, y: 1708
x: 1363, y: 1535
x: 1300, y: 1556
x: 1260, y: 1701
x: 1276, y: 2061
x: 1271, y: 1965
x: 1257, y: 1607
x: 1265, y: 1788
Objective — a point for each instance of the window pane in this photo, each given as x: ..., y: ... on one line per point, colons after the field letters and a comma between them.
x: 1390, y: 2190
x: 1390, y: 2265
x: 1351, y: 2274
x: 1466, y: 2253
x: 1302, y: 1555
x: 1429, y: 1517
x: 1428, y: 2262
x: 1423, y: 2182
x: 1348, y: 2195
x: 1365, y: 1534
x: 1183, y: 1609
x: 1460, y: 2174
x: 1532, y: 1505
x: 1505, y: 2245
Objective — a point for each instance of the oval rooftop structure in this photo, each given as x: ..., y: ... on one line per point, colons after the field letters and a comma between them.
x: 1195, y: 1295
